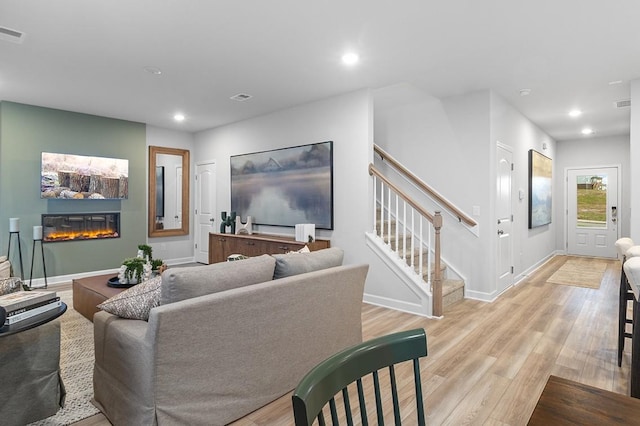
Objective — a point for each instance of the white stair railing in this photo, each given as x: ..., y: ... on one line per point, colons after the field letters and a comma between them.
x: 394, y: 204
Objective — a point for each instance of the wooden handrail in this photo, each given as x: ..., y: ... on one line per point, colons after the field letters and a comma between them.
x: 374, y: 171
x: 423, y: 186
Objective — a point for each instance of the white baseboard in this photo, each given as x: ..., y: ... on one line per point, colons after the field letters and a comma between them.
x: 398, y: 305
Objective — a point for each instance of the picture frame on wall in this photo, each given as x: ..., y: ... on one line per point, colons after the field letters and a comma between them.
x: 540, y: 189
x: 286, y: 186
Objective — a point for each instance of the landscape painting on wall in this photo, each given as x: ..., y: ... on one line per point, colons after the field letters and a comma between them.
x: 540, y: 178
x: 69, y: 176
x: 286, y: 186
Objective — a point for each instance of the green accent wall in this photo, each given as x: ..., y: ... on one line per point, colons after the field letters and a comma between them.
x: 25, y: 132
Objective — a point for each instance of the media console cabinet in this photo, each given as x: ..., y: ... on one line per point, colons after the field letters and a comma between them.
x: 223, y: 245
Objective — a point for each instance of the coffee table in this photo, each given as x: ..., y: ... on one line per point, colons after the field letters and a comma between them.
x: 89, y: 292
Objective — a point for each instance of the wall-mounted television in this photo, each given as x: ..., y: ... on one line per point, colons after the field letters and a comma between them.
x: 70, y: 176
x: 283, y: 187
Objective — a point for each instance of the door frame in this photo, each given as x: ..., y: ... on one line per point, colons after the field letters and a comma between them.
x: 565, y: 216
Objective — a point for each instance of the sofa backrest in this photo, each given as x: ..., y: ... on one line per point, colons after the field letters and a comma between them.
x: 185, y: 283
x: 300, y: 263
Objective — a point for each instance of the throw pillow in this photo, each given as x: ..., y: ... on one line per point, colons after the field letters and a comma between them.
x: 184, y: 283
x: 5, y: 267
x: 136, y: 302
x: 300, y: 263
x: 10, y: 285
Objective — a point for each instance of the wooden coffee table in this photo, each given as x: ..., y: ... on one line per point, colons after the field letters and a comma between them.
x: 90, y: 292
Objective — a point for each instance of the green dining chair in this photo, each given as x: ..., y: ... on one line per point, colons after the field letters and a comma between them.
x: 333, y: 376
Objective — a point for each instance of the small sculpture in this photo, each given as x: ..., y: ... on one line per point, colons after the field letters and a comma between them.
x: 246, y: 228
x: 228, y: 221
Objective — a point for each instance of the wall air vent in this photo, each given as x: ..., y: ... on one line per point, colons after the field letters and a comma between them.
x: 241, y: 97
x: 11, y: 35
x: 622, y: 104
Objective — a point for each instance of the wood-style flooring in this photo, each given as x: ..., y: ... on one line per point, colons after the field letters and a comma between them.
x: 488, y: 362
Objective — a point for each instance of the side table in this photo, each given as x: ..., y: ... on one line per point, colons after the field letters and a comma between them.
x: 32, y: 388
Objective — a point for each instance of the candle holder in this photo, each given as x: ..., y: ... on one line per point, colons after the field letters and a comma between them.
x: 37, y: 237
x: 11, y: 234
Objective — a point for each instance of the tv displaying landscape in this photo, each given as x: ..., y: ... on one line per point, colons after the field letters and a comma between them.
x: 70, y: 176
x: 283, y: 187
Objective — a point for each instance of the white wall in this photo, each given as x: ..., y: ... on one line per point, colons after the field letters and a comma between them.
x: 345, y: 120
x: 173, y: 249
x: 593, y: 152
x: 511, y: 128
x: 441, y: 141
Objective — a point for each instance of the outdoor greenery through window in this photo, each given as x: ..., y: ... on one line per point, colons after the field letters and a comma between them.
x: 592, y: 201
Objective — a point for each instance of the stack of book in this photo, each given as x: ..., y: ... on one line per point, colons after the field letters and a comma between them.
x: 22, y: 305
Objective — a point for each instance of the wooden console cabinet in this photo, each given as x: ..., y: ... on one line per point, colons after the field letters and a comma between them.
x: 223, y: 245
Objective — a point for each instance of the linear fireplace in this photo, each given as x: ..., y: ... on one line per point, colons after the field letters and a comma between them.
x: 75, y: 227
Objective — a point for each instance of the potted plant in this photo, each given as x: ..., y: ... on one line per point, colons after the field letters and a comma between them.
x: 158, y: 266
x: 132, y: 270
x: 146, y: 251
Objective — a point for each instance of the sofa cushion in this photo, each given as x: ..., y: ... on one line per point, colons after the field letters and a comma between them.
x: 185, y: 283
x: 136, y: 302
x: 299, y: 263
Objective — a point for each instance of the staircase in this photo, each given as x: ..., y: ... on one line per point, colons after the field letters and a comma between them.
x: 452, y: 288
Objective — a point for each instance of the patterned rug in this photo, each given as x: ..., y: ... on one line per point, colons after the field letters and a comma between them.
x: 76, y: 363
x: 580, y: 272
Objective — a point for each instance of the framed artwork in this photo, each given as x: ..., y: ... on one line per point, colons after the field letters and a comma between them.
x: 540, y: 189
x: 284, y: 187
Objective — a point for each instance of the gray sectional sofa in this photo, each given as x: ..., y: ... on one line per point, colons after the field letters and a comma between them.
x: 226, y: 338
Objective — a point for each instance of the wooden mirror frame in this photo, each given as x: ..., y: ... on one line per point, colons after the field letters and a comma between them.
x: 184, y: 153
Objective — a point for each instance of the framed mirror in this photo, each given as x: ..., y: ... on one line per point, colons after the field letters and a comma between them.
x: 168, y: 191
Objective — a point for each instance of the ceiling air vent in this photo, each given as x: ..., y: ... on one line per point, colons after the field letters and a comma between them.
x: 11, y: 35
x: 622, y: 104
x: 241, y: 97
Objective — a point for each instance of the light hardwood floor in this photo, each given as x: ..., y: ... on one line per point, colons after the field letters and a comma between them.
x: 488, y: 362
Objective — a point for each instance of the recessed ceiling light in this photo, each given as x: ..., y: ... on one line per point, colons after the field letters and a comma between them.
x: 587, y: 131
x: 350, y: 58
x: 241, y: 97
x: 153, y: 70
x: 575, y: 113
x: 178, y: 117
x: 525, y: 92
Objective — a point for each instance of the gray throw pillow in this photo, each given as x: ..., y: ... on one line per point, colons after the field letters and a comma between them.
x: 136, y: 302
x: 300, y: 263
x: 184, y: 283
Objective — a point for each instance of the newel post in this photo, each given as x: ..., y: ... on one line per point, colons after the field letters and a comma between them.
x: 437, y: 280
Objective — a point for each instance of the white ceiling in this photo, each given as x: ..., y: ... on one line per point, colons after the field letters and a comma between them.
x: 88, y: 55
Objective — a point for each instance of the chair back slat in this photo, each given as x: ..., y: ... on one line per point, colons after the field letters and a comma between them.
x: 336, y: 373
x: 363, y: 403
x: 321, y: 421
x: 394, y: 395
x: 376, y: 387
x: 347, y: 406
x: 418, y: 384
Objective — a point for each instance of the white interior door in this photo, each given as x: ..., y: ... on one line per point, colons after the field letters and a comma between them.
x: 592, y: 211
x: 205, y: 209
x: 505, y: 218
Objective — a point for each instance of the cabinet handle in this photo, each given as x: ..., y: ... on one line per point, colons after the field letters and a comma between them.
x: 283, y: 248
x: 222, y: 239
x: 249, y: 243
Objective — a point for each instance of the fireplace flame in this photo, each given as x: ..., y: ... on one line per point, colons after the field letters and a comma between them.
x: 81, y: 235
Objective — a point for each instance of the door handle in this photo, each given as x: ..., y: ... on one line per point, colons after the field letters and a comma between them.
x: 500, y: 232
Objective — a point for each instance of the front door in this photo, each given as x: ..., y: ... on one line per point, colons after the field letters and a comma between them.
x: 205, y: 209
x: 504, y: 215
x: 592, y: 211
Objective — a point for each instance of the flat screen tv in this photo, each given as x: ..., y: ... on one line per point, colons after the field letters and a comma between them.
x: 69, y: 176
x: 285, y: 186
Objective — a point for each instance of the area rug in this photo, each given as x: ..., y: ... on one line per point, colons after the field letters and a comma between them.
x: 76, y: 364
x: 580, y: 272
